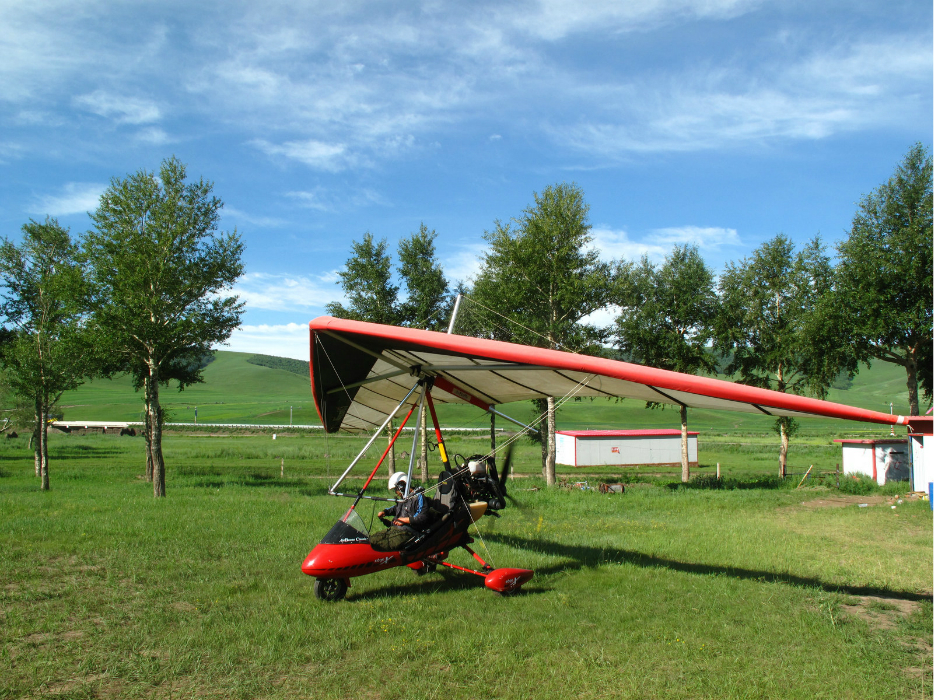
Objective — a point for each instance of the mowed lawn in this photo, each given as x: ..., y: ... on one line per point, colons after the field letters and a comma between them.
x: 660, y: 592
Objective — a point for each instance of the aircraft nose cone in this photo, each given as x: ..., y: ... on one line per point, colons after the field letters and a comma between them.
x: 310, y: 565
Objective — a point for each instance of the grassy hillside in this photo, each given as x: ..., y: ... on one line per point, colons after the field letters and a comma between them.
x: 236, y: 391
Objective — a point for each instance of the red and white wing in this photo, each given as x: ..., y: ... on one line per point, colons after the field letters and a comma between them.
x: 361, y: 371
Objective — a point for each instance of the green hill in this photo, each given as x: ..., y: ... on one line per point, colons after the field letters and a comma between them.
x: 237, y: 390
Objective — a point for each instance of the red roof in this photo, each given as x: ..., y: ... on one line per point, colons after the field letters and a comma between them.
x: 661, y: 432
x: 884, y: 441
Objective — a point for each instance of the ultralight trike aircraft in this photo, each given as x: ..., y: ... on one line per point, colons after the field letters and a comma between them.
x: 364, y: 374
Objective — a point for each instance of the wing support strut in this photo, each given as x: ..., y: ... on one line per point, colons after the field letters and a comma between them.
x: 391, y: 415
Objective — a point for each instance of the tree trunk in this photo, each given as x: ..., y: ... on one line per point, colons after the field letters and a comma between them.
x: 423, y: 453
x: 911, y: 367
x: 44, y: 452
x: 550, y: 477
x: 685, y: 463
x: 155, y: 416
x: 34, y: 445
x: 492, y: 433
x: 147, y: 432
x: 391, y: 457
x: 783, y: 452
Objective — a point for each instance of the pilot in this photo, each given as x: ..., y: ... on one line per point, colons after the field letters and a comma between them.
x: 414, y: 511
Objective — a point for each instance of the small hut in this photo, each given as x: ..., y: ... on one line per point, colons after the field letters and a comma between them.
x: 622, y: 448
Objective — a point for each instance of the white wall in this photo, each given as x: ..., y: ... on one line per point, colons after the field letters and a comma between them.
x: 623, y: 450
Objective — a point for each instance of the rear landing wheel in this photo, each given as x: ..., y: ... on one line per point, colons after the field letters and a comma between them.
x: 330, y: 589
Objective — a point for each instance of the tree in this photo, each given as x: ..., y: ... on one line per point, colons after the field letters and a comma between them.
x: 159, y: 273
x: 367, y: 282
x: 425, y: 285
x: 667, y: 321
x: 766, y: 304
x: 542, y: 274
x: 47, y: 349
x: 882, y: 301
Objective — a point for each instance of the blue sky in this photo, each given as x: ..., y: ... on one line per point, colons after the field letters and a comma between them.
x: 714, y: 122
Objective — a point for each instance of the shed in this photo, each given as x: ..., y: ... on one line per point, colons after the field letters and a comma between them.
x: 622, y: 448
x: 921, y: 435
x: 884, y: 459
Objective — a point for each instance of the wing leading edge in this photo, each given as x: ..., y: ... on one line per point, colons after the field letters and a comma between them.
x: 361, y: 371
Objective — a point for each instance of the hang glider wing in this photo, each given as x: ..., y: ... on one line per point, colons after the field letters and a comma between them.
x: 361, y: 371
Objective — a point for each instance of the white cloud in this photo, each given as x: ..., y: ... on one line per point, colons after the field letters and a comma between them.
x: 603, y: 317
x: 613, y: 244
x: 316, y: 154
x: 555, y: 19
x: 657, y: 244
x: 154, y: 136
x: 123, y: 110
x: 832, y: 90
x: 286, y: 293
x: 286, y: 340
x: 263, y: 221
x: 323, y: 199
x: 704, y: 237
x: 463, y: 264
x: 75, y: 198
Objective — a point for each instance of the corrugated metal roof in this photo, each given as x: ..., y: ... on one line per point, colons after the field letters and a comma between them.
x: 659, y: 432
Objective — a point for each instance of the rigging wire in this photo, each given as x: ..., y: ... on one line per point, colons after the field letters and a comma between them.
x: 506, y: 318
x: 476, y: 525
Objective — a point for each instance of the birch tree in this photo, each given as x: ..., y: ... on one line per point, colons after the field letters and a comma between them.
x: 47, y: 349
x: 160, y: 276
x: 882, y: 301
x: 766, y: 304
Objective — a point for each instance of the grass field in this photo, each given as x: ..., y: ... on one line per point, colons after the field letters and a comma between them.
x: 664, y: 591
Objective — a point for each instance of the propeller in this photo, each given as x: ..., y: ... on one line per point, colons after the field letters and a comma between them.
x: 504, y: 472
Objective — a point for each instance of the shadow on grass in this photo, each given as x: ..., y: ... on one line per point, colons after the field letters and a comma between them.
x: 582, y: 556
x: 298, y: 484
x: 430, y: 583
x: 709, y: 482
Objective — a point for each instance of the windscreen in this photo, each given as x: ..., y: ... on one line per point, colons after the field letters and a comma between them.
x: 350, y: 529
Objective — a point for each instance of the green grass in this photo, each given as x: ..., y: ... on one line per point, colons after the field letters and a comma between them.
x: 660, y: 592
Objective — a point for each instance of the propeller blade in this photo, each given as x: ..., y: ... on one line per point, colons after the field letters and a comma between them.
x: 504, y: 472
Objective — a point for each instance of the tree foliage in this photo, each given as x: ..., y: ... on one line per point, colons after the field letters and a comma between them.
x: 367, y: 283
x: 47, y: 348
x: 372, y: 295
x: 667, y: 318
x: 159, y: 273
x: 881, y: 306
x: 425, y: 285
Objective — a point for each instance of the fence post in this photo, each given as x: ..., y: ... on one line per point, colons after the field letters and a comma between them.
x: 837, y: 471
x: 718, y: 471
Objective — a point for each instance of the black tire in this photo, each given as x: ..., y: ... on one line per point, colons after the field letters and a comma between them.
x: 330, y: 589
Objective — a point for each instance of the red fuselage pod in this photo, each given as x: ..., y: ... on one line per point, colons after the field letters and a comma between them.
x: 507, y: 580
x: 347, y: 560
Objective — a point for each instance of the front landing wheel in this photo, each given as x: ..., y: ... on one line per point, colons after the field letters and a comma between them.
x: 330, y: 589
